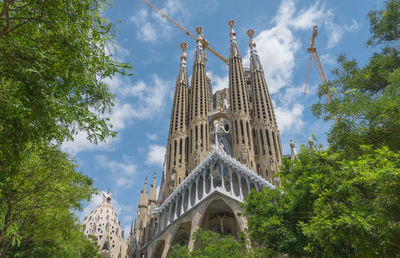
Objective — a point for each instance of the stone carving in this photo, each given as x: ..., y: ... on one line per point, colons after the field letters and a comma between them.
x: 243, y: 157
x: 205, y: 164
x: 195, y: 159
x: 221, y: 146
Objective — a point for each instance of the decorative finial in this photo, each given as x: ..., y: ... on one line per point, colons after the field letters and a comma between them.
x: 250, y: 33
x: 231, y: 24
x: 183, y: 46
x: 311, y: 142
x: 199, y: 30
x: 108, y: 190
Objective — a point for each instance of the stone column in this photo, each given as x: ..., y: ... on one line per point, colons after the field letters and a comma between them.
x: 212, y: 179
x: 190, y: 196
x: 176, y: 208
x: 196, y: 199
x: 204, y: 182
x: 248, y: 185
x: 169, y: 214
x: 163, y: 220
x: 183, y: 201
x: 223, y: 177
x: 230, y: 178
x: 240, y: 187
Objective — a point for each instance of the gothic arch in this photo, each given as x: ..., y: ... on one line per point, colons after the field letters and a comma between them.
x: 220, y: 217
x: 159, y: 249
x: 181, y: 235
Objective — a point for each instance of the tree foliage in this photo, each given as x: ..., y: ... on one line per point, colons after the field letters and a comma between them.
x: 365, y: 100
x: 36, y: 205
x: 329, y: 206
x: 211, y: 244
x: 343, y: 201
x: 54, y: 57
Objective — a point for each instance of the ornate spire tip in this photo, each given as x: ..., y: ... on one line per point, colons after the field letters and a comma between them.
x: 231, y: 23
x: 183, y: 46
x: 250, y: 33
x: 199, y: 30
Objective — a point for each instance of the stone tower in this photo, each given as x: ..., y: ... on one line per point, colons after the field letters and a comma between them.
x: 220, y: 147
x: 198, y: 107
x: 177, y: 149
x: 142, y: 215
x: 267, y: 146
x: 103, y: 223
x: 242, y: 145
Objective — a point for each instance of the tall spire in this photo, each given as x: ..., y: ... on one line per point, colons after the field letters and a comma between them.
x: 153, y: 190
x: 242, y: 146
x: 182, y: 72
x: 267, y: 146
x: 177, y: 148
x: 143, y: 195
x: 198, y: 128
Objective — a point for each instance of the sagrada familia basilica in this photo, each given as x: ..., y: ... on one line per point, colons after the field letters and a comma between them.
x: 220, y: 146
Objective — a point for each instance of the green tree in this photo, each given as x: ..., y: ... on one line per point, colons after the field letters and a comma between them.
x: 329, y: 206
x: 54, y: 58
x: 211, y: 244
x: 36, y: 205
x: 365, y: 100
x: 343, y: 201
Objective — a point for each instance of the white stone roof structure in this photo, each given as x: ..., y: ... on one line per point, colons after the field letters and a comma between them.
x: 104, y: 224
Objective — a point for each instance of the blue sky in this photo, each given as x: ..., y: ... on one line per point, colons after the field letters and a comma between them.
x: 141, y: 116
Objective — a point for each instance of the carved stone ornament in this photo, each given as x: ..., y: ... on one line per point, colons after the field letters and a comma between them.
x: 243, y: 154
x: 195, y: 159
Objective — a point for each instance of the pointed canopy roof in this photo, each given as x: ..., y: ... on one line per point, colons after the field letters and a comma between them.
x: 153, y: 189
x: 143, y: 195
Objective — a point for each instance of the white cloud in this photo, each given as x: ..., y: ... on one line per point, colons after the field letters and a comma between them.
x: 288, y: 119
x: 123, y: 173
x: 151, y: 137
x: 148, y: 98
x: 336, y: 32
x: 120, y: 117
x: 277, y: 46
x: 328, y: 59
x: 219, y: 83
x: 151, y: 26
x: 94, y: 202
x: 155, y: 155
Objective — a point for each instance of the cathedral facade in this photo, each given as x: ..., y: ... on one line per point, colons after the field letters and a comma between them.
x: 220, y: 147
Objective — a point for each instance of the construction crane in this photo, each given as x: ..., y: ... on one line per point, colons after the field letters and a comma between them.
x: 314, y: 53
x: 170, y: 20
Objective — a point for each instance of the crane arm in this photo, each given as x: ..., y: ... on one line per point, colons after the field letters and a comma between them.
x: 180, y: 27
x: 165, y: 16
